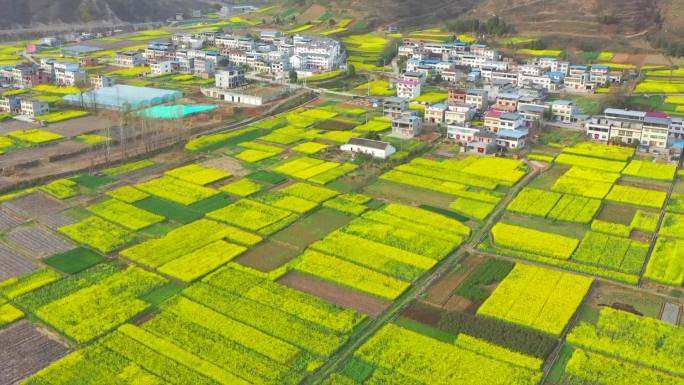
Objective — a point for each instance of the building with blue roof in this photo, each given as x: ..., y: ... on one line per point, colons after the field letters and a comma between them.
x: 123, y: 97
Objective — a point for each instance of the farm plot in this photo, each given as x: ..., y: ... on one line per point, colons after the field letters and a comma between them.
x: 13, y: 264
x: 193, y: 250
x: 588, y: 367
x: 287, y: 202
x: 365, y: 51
x: 9, y: 314
x: 537, y: 297
x: 586, y: 182
x: 35, y: 136
x: 128, y: 194
x: 94, y: 310
x: 676, y: 203
x: 650, y: 170
x: 587, y: 162
x: 375, y: 125
x: 309, y: 192
x: 548, y: 248
x: 98, y: 233
x: 641, y: 340
x: 75, y: 260
x: 15, y: 287
x: 95, y: 364
x: 349, y: 203
x: 600, y: 151
x: 215, y: 141
x: 312, y: 228
x: 471, y: 178
x: 272, y: 331
x: 401, y: 356
x: 252, y: 215
x: 32, y: 293
x: 534, y: 241
x: 472, y: 208
x: 616, y: 253
x: 381, y: 253
x: 37, y: 241
x: 195, y: 173
x: 243, y: 187
x: 128, y: 167
x: 57, y: 220
x: 637, y: 196
x: 574, y: 208
x: 673, y: 225
x: 291, y: 133
x: 9, y: 219
x: 666, y: 264
x: 315, y: 170
x: 61, y: 188
x: 493, y: 351
x: 310, y: 148
x: 25, y: 351
x: 35, y: 204
x: 176, y: 190
x: 534, y: 202
x: 124, y: 214
x: 255, y: 151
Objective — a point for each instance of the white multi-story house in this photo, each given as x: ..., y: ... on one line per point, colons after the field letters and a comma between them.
x: 33, y: 108
x: 69, y: 74
x: 129, y: 59
x: 676, y: 130
x: 459, y: 114
x: 563, y: 110
x: 496, y: 121
x: 599, y: 74
x: 435, y: 113
x: 656, y: 130
x: 102, y: 81
x: 230, y: 78
x: 11, y: 104
x: 652, y: 129
x: 204, y: 67
x: 409, y: 89
x: 163, y: 67
x: 512, y: 139
x: 484, y: 51
x: 463, y: 133
x: 189, y: 40
x: 316, y: 53
x: 159, y: 52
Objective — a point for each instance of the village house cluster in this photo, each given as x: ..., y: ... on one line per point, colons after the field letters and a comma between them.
x: 223, y: 56
x: 494, y: 101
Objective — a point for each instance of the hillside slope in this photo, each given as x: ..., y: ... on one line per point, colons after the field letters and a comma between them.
x: 576, y: 17
x: 32, y: 12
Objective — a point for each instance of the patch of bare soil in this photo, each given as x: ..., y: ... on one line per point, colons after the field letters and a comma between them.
x: 338, y: 295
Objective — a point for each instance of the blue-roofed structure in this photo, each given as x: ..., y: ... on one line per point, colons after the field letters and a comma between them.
x: 122, y: 97
x: 75, y: 50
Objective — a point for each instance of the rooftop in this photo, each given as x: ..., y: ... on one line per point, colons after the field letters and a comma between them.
x: 370, y: 143
x: 512, y: 134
